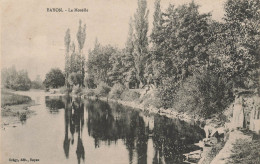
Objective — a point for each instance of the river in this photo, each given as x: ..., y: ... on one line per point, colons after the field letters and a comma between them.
x: 68, y: 130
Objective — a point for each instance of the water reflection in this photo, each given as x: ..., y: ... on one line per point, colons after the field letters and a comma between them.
x: 74, y: 118
x: 108, y: 123
x: 54, y: 103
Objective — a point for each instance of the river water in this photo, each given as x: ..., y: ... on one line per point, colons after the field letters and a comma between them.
x: 66, y: 130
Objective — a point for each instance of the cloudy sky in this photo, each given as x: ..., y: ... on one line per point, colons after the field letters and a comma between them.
x: 33, y: 39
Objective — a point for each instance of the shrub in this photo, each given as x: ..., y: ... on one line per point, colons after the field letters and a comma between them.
x: 89, y: 82
x: 167, y: 91
x: 75, y: 78
x: 102, y: 89
x: 130, y: 95
x: 152, y: 98
x: 64, y: 90
x: 37, y: 85
x: 205, y: 93
x: 117, y: 91
x: 77, y: 90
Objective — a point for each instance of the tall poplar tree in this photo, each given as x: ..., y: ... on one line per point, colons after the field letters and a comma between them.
x: 157, y: 22
x: 81, y: 37
x: 140, y: 39
x: 128, y: 59
x: 67, y: 58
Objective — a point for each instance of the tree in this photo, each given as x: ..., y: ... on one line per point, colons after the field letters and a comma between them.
x: 100, y: 63
x: 75, y: 61
x: 181, y: 48
x: 243, y: 35
x: 16, y: 80
x: 75, y: 79
x: 154, y: 69
x: 67, y: 58
x: 54, y: 78
x: 37, y: 83
x: 181, y: 41
x: 81, y: 37
x: 140, y: 39
x: 128, y: 58
x: 157, y: 23
x: 116, y: 73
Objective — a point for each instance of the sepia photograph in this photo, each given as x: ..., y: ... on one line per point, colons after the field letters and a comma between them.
x: 130, y: 82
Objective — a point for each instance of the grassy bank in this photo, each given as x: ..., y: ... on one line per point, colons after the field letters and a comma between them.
x: 245, y: 151
x: 144, y: 99
x: 14, y: 107
x: 8, y: 98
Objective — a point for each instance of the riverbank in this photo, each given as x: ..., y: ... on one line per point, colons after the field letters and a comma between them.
x: 144, y: 100
x: 170, y: 113
x: 221, y: 138
x: 14, y: 108
x: 240, y: 139
x: 213, y: 142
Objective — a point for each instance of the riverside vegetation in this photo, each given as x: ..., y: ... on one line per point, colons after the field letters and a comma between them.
x: 189, y: 63
x: 14, y: 107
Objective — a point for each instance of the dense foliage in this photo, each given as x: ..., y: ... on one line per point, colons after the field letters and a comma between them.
x: 102, y: 89
x: 194, y: 61
x: 16, y: 80
x: 117, y: 91
x: 75, y: 60
x: 54, y: 79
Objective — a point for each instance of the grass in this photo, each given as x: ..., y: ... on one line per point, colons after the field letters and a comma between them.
x: 8, y: 98
x: 245, y: 151
x: 215, y: 150
x: 14, y: 106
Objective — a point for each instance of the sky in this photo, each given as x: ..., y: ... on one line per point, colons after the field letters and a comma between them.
x: 33, y: 39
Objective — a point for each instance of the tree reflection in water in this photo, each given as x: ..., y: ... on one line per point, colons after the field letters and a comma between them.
x: 108, y: 123
x: 74, y: 121
x: 54, y: 103
x: 74, y: 117
x: 171, y: 137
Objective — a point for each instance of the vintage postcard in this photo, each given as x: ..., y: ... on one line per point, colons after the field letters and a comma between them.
x: 130, y: 81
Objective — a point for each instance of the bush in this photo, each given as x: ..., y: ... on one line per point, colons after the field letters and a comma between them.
x: 152, y: 98
x: 75, y: 78
x: 129, y: 95
x: 117, y: 91
x: 205, y: 93
x: 77, y: 90
x: 102, y: 89
x: 90, y: 82
x: 37, y: 85
x: 64, y: 90
x: 167, y: 91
